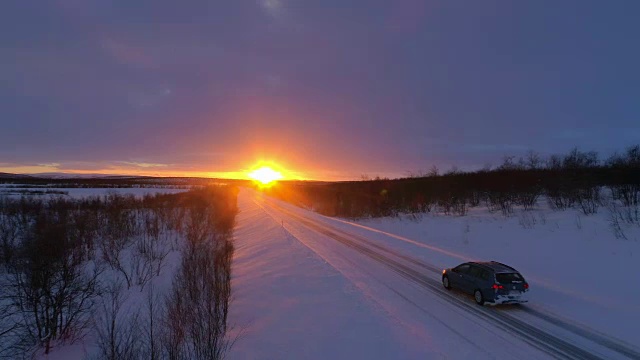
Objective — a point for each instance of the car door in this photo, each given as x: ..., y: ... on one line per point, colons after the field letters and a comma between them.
x: 469, y: 279
x: 473, y: 279
x: 457, y: 279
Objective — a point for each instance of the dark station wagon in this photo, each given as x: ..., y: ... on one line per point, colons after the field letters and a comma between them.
x: 489, y: 282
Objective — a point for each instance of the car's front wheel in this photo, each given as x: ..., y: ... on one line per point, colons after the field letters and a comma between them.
x: 478, y: 296
x: 445, y: 282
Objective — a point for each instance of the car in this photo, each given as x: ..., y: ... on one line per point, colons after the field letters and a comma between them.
x: 489, y: 282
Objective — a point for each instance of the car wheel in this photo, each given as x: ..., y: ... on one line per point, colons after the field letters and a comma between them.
x: 445, y: 282
x: 478, y: 296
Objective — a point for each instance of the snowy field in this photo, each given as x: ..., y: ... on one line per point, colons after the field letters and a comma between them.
x: 574, y: 263
x: 312, y: 287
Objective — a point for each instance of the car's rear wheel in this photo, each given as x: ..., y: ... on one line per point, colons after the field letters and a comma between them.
x: 445, y: 282
x: 478, y: 296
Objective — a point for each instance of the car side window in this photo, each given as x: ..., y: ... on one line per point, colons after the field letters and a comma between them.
x: 475, y: 271
x: 485, y: 275
x: 462, y: 269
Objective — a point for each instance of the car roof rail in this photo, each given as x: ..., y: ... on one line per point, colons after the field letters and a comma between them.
x: 505, y: 265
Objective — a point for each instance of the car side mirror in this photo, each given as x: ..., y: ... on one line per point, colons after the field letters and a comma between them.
x: 454, y: 270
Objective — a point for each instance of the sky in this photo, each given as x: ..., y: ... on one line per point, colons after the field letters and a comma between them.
x: 331, y: 89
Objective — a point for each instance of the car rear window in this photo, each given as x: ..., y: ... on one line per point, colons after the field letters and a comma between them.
x: 508, y: 277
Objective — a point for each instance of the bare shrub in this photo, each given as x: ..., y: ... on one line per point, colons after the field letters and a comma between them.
x: 616, y: 219
x: 502, y: 201
x: 543, y: 218
x: 112, y: 253
x: 150, y: 330
x: 197, y: 308
x: 628, y: 195
x: 151, y: 249
x: 174, y: 335
x: 527, y: 198
x: 533, y: 160
x: 445, y: 204
x: 452, y: 204
x: 421, y: 203
x: 589, y: 199
x: 195, y: 317
x: 137, y: 253
x: 141, y: 263
x: 527, y: 220
x: 459, y: 206
x: 117, y: 235
x: 13, y: 344
x: 9, y: 235
x: 85, y: 226
x: 577, y: 159
x: 560, y: 199
x: 475, y: 197
x: 117, y: 329
x: 52, y: 288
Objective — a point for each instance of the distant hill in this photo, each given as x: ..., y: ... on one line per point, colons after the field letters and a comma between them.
x: 4, y: 175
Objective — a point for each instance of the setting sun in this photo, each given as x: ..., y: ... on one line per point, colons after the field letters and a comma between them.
x: 265, y: 175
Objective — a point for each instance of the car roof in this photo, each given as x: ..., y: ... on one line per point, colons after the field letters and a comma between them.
x: 495, y: 266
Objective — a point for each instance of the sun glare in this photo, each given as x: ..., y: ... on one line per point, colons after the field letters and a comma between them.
x: 265, y: 175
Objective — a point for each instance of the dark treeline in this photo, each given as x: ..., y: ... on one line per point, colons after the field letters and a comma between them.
x: 66, y: 265
x: 575, y: 180
x: 113, y: 182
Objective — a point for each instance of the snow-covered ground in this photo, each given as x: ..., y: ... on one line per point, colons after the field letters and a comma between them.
x: 312, y: 287
x: 307, y: 286
x: 289, y: 303
x: 574, y: 263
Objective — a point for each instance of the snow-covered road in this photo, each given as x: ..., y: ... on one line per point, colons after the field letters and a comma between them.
x: 311, y: 287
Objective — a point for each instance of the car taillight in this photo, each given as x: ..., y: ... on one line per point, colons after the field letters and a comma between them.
x: 526, y: 286
x: 496, y: 287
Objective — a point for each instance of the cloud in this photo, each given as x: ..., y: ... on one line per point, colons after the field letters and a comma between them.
x: 126, y: 54
x: 27, y: 168
x: 274, y: 8
x: 127, y: 167
x: 271, y: 6
x: 142, y: 164
x: 148, y: 98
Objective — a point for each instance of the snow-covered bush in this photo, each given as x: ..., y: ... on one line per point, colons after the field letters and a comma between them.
x: 70, y: 267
